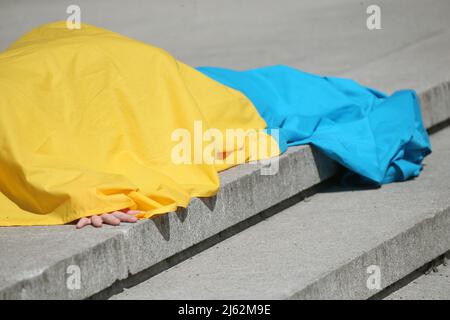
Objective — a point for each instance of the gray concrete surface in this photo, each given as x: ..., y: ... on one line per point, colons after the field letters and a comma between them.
x: 434, y: 285
x: 322, y: 248
x: 318, y: 36
x: 34, y: 260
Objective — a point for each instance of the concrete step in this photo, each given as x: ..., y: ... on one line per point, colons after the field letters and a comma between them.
x: 340, y: 244
x: 433, y: 283
x: 36, y: 261
x: 411, y: 51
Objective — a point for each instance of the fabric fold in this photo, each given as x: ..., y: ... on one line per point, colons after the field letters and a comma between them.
x: 89, y: 121
x: 378, y: 138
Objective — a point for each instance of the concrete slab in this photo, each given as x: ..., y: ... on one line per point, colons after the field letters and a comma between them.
x: 434, y: 285
x: 324, y: 248
x: 319, y: 36
x: 417, y: 65
x: 35, y: 260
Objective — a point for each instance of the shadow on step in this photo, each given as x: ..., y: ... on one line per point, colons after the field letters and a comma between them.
x: 163, y: 226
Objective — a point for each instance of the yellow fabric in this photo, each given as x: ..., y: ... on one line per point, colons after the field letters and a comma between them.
x: 86, y: 118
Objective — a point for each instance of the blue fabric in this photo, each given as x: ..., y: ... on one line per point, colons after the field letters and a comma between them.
x: 378, y: 138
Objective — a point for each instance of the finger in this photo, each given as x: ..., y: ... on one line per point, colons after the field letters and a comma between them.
x: 124, y: 217
x: 110, y: 219
x: 133, y: 212
x: 96, y: 221
x: 83, y: 222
